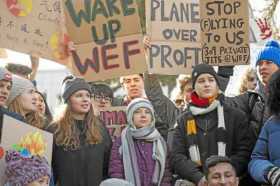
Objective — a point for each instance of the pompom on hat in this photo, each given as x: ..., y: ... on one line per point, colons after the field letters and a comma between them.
x: 73, y: 84
x: 271, y: 52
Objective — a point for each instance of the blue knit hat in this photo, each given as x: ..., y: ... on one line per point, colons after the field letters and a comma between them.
x: 271, y: 52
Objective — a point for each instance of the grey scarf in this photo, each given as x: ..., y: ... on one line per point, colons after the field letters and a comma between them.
x: 128, y: 153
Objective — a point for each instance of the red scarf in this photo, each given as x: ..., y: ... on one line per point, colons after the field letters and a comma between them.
x: 201, y: 102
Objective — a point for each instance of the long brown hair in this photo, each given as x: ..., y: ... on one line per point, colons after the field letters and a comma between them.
x: 67, y: 134
x: 33, y: 118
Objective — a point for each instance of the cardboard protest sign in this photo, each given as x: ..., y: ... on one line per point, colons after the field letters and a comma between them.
x: 16, y: 135
x: 173, y: 26
x: 114, y: 118
x: 3, y: 53
x: 107, y: 37
x: 225, y: 32
x: 32, y: 27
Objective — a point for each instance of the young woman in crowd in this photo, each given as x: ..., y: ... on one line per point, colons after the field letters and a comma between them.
x: 5, y: 89
x: 249, y: 81
x: 265, y: 164
x: 210, y: 127
x: 81, y: 143
x: 42, y: 106
x: 140, y: 155
x: 22, y: 101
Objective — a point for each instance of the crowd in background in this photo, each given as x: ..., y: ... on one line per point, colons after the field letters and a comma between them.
x: 201, y: 138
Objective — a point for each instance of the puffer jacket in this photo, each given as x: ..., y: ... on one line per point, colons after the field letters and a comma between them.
x: 146, y: 163
x: 266, y: 152
x: 238, y: 144
x: 86, y: 166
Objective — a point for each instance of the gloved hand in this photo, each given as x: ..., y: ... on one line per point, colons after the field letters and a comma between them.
x: 273, y: 176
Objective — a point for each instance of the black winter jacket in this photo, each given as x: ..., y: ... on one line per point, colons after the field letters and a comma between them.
x: 253, y: 105
x: 238, y: 144
x: 87, y: 166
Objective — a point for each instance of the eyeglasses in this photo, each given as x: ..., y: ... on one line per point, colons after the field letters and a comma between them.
x: 107, y: 99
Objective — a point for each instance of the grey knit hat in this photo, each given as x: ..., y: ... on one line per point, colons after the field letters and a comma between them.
x: 72, y: 85
x: 20, y: 85
x: 5, y: 74
x: 136, y: 104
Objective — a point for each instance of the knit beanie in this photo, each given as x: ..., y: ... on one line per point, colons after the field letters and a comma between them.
x: 72, y: 85
x: 21, y: 170
x: 20, y: 85
x: 5, y: 74
x: 271, y: 52
x: 203, y: 69
x: 136, y: 104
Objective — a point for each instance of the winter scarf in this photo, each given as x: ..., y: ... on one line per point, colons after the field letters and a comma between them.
x: 149, y: 133
x: 191, y: 127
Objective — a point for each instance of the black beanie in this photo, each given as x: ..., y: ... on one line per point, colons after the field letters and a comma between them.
x: 72, y: 85
x: 203, y: 69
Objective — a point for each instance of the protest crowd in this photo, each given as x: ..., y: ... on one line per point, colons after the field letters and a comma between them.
x: 202, y: 137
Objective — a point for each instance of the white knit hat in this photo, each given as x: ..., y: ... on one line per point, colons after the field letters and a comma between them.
x: 19, y: 86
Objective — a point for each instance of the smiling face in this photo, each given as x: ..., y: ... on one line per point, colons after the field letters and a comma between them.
x: 134, y: 86
x: 206, y: 86
x: 142, y: 117
x: 80, y: 102
x: 5, y: 88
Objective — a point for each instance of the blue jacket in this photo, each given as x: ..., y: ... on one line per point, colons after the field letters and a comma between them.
x: 266, y: 152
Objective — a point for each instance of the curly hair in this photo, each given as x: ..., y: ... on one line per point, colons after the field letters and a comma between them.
x: 273, y: 101
x: 243, y: 86
x: 67, y: 133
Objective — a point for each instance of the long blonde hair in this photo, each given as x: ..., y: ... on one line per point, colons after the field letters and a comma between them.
x: 33, y: 118
x: 249, y: 73
x: 67, y: 134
